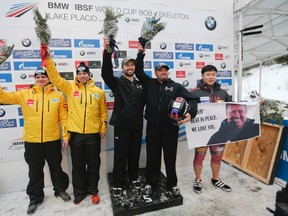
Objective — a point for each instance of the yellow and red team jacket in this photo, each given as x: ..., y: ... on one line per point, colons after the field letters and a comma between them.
x: 42, y: 108
x: 87, y: 109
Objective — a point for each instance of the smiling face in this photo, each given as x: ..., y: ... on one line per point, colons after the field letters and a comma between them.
x: 129, y: 68
x: 41, y: 80
x: 83, y: 77
x: 162, y: 74
x: 237, y: 113
x: 209, y: 77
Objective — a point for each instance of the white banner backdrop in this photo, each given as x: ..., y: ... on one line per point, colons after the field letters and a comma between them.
x: 212, y: 125
x: 197, y: 34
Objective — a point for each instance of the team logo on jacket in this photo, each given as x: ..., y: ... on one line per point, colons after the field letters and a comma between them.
x: 76, y: 94
x: 30, y: 102
x: 96, y: 95
x: 55, y: 100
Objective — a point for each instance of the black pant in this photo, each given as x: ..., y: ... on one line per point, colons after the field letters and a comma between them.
x: 35, y: 156
x: 85, y: 150
x: 127, y: 147
x: 158, y: 138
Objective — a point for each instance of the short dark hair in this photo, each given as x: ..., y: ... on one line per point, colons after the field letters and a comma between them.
x: 208, y: 68
x: 243, y: 105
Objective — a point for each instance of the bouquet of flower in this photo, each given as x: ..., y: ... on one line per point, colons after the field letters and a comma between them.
x: 5, y: 50
x: 110, y: 27
x: 43, y: 33
x: 272, y: 111
x: 150, y: 29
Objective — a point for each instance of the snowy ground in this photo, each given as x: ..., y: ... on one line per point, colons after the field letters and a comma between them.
x: 249, y: 197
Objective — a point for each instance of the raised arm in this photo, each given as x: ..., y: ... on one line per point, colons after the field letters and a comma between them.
x: 107, y: 68
x: 10, y: 97
x: 139, y: 70
x: 54, y: 76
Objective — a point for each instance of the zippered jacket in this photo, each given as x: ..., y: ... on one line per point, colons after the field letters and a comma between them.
x: 159, y: 95
x: 42, y: 108
x: 87, y: 109
x: 129, y: 97
x: 215, y: 94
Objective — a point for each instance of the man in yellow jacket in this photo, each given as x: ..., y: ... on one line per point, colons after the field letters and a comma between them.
x: 43, y: 107
x: 87, y: 122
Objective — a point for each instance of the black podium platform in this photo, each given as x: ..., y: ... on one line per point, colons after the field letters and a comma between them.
x: 134, y: 201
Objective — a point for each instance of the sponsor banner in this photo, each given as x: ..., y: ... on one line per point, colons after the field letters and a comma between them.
x: 122, y: 54
x: 19, y: 66
x: 59, y: 42
x: 21, y: 122
x: 61, y: 54
x: 98, y: 84
x: 20, y: 87
x: 86, y: 43
x: 110, y: 105
x: 204, y: 47
x: 87, y: 53
x: 184, y: 46
x: 215, y: 123
x: 6, y: 66
x: 8, y: 123
x: 147, y: 64
x: 184, y: 56
x: 117, y: 73
x: 204, y: 56
x: 26, y: 54
x: 224, y: 81
x: 148, y: 73
x: 135, y: 45
x: 5, y: 77
x: 200, y: 65
x: 180, y: 74
x: 67, y: 75
x: 94, y: 64
x: 219, y: 56
x: 20, y: 111
x: 224, y: 73
x: 163, y: 55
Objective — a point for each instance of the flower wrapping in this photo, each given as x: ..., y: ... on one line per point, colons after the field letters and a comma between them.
x: 43, y: 33
x: 5, y: 50
x: 151, y: 27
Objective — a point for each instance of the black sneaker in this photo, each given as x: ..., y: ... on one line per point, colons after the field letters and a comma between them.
x: 197, y: 186
x: 221, y: 185
x: 63, y: 195
x: 117, y: 191
x: 175, y: 191
x: 32, y: 208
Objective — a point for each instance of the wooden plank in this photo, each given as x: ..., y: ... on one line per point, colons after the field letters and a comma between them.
x: 235, y: 152
x: 256, y: 156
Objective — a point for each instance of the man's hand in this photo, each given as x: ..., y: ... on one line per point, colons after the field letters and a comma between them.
x: 186, y: 119
x: 141, y: 48
x: 106, y: 42
x: 65, y: 144
x: 102, y: 135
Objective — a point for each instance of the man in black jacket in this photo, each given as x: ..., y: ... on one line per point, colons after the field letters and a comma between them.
x: 127, y: 119
x: 160, y: 132
x: 237, y: 126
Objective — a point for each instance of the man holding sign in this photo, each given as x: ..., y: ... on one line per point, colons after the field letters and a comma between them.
x: 209, y: 91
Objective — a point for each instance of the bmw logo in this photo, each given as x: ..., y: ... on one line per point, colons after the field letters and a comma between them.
x: 127, y: 19
x: 201, y: 55
x: 223, y: 65
x: 111, y: 94
x: 26, y: 42
x: 23, y: 76
x: 219, y: 47
x: 185, y: 83
x: 163, y: 45
x: 82, y: 53
x: 181, y: 64
x: 210, y: 23
x: 2, y: 112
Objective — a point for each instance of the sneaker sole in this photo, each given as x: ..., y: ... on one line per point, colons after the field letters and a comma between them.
x: 196, y: 191
x: 222, y: 188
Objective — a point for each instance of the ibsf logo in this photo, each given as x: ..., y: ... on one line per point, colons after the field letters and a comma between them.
x: 210, y: 23
x: 17, y: 10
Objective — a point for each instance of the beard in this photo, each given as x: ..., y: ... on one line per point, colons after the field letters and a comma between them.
x: 129, y: 73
